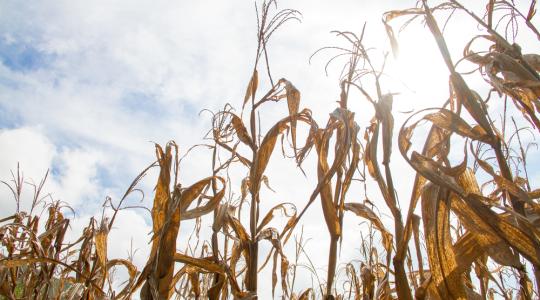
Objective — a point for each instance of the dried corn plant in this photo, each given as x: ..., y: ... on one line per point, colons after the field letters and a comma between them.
x: 499, y: 226
x: 473, y: 220
x: 37, y: 263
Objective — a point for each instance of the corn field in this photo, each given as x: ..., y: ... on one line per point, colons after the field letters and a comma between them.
x: 468, y: 228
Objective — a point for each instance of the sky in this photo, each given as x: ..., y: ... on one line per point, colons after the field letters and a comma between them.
x: 87, y: 87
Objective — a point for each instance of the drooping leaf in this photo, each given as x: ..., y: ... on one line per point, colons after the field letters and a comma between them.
x: 267, y: 147
x: 191, y: 193
x: 241, y: 131
x: 442, y: 259
x: 293, y: 103
x: 364, y: 211
x: 252, y: 87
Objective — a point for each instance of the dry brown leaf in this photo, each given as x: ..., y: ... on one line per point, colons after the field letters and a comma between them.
x: 252, y: 87
x: 305, y: 294
x: 364, y: 211
x: 132, y: 273
x: 241, y: 131
x: 193, y: 192
x: 267, y: 147
x: 270, y: 214
x: 293, y: 103
x: 442, y: 259
x: 204, y: 263
x: 452, y: 122
x: 166, y: 223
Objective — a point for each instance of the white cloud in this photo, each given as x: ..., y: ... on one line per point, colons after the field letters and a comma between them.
x: 34, y: 154
x: 130, y: 231
x: 78, y: 170
x: 28, y: 146
x: 72, y: 171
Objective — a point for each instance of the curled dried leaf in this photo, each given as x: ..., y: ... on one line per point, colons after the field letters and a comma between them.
x: 241, y: 131
x: 364, y: 211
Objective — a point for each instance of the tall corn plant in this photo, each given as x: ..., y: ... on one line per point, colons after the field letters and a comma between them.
x: 230, y: 130
x: 489, y: 222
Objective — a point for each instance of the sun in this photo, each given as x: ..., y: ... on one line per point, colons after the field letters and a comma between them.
x: 417, y: 72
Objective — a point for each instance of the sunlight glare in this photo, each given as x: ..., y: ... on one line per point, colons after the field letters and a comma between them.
x: 418, y: 72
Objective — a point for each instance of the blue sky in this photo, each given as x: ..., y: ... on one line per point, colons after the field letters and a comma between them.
x: 86, y: 87
x: 22, y: 57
